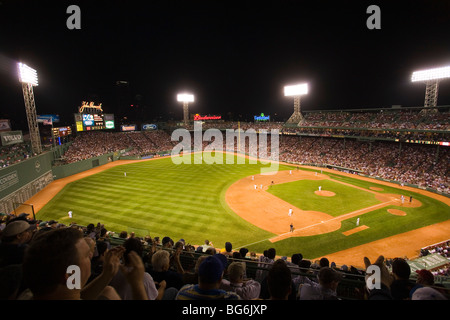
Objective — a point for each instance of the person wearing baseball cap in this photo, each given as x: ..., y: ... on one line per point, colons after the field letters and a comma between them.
x: 210, y: 274
x: 424, y: 279
x: 15, y: 238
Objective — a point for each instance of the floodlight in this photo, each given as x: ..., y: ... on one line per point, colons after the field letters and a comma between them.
x: 296, y: 90
x: 28, y: 78
x: 185, y: 97
x: 431, y: 74
x: 27, y: 74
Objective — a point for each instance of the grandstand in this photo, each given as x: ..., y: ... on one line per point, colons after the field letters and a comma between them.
x: 400, y: 145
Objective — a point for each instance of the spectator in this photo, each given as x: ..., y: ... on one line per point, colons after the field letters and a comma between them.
x: 49, y: 256
x: 160, y: 270
x: 326, y: 289
x: 15, y: 238
x: 427, y: 293
x: 228, y: 250
x: 324, y: 262
x: 192, y: 277
x: 247, y: 289
x: 243, y: 252
x: 384, y: 291
x: 401, y: 286
x: 265, y: 261
x: 207, y: 245
x: 120, y: 283
x: 424, y: 279
x: 279, y: 281
x: 210, y: 274
x: 98, y: 260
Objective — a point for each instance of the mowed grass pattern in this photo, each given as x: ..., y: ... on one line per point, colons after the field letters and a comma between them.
x: 159, y: 198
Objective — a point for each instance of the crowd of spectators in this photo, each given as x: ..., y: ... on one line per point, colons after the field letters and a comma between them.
x: 416, y: 164
x: 422, y: 165
x: 93, y: 144
x: 36, y: 257
x: 379, y: 119
x: 443, y: 249
x: 14, y: 154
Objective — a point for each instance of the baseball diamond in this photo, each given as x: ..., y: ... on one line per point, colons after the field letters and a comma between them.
x: 219, y: 202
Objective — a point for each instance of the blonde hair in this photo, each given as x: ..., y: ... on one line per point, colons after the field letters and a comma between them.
x: 160, y: 260
x: 236, y: 271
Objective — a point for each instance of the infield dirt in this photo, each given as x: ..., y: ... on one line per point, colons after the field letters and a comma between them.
x: 271, y: 213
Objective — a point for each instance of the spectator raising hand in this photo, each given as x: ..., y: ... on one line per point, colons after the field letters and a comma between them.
x: 385, y: 279
x: 134, y: 273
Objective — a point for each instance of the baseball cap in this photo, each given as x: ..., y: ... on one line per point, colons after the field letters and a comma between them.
x: 16, y: 227
x: 426, y: 275
x: 212, y: 268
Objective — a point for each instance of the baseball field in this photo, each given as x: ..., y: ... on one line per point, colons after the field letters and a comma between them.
x: 332, y: 213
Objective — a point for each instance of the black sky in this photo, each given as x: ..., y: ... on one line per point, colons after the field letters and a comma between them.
x: 235, y: 56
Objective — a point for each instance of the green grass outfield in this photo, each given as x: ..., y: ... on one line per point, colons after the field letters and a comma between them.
x: 159, y: 198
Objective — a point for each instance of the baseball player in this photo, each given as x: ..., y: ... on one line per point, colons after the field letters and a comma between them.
x: 357, y: 222
x: 291, y: 228
x: 290, y: 212
x: 320, y: 188
x: 70, y: 214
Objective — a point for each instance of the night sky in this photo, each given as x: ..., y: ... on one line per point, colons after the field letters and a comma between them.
x: 234, y: 56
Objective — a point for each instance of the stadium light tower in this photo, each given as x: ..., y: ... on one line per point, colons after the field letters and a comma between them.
x: 296, y: 91
x: 431, y: 78
x: 28, y: 78
x: 185, y: 98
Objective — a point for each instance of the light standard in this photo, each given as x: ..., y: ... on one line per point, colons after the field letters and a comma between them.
x: 28, y: 77
x: 296, y: 91
x: 431, y: 78
x: 185, y: 98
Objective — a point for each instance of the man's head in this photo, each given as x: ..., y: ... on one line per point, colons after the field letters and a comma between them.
x: 161, y: 261
x: 279, y: 281
x: 271, y: 253
x: 236, y: 272
x: 210, y: 271
x: 47, y: 259
x: 401, y: 269
x: 132, y: 244
x: 18, y: 232
x: 329, y: 278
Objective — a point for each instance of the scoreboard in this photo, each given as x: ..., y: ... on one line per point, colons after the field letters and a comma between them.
x: 91, y: 122
x: 62, y: 132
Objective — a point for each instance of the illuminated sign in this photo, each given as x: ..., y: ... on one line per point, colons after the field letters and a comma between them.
x: 89, y: 121
x: 62, y: 131
x: 85, y: 105
x: 149, y: 127
x: 109, y: 124
x: 198, y: 117
x: 130, y: 127
x: 262, y: 117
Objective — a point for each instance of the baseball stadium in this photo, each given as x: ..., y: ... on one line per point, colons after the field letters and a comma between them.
x: 338, y: 192
x: 319, y: 204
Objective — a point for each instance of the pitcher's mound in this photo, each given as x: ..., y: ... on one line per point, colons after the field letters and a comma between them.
x: 397, y: 212
x: 325, y: 193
